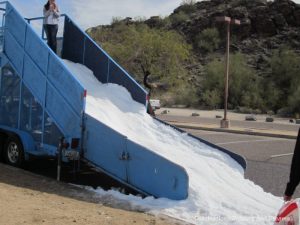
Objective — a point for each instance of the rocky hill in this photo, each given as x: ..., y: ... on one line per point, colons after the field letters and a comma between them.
x: 259, y: 18
x: 265, y: 25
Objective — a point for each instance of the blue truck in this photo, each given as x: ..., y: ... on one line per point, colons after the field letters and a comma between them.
x: 42, y: 101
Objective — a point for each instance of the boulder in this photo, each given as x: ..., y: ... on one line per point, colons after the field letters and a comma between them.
x: 239, y: 12
x: 165, y: 112
x: 279, y: 20
x: 250, y: 118
x: 286, y: 8
x: 297, y: 16
x: 262, y: 22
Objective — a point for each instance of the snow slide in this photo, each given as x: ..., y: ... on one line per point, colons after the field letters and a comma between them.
x: 218, y: 192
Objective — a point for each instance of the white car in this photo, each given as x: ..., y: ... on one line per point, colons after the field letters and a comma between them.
x: 155, y: 103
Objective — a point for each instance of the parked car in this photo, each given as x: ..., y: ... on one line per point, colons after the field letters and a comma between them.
x: 155, y: 103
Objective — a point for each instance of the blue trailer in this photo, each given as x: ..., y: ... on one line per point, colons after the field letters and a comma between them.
x: 42, y: 101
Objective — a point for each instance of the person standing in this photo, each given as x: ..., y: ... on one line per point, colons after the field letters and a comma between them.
x: 51, y: 18
x: 295, y: 172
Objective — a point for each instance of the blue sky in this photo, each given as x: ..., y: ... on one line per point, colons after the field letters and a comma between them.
x: 89, y: 13
x: 94, y: 12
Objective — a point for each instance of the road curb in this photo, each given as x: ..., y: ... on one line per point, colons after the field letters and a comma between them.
x: 187, y: 126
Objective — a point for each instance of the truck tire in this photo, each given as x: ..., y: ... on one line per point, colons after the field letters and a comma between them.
x: 13, y: 152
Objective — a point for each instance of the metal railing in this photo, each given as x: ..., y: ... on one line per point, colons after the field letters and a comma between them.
x: 41, y: 18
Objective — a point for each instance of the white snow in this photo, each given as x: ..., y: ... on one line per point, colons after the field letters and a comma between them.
x: 218, y: 192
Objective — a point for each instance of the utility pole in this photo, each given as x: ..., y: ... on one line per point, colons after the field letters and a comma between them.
x: 225, y: 123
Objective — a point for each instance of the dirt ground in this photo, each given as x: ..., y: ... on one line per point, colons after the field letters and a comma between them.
x: 26, y: 198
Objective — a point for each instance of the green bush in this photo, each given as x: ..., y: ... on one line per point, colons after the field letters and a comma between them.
x: 116, y: 20
x: 243, y: 84
x: 285, y: 112
x: 185, y: 96
x: 179, y: 18
x: 212, y: 99
x: 188, y: 2
x: 243, y: 109
x: 285, y: 79
x: 188, y: 6
x: 208, y: 39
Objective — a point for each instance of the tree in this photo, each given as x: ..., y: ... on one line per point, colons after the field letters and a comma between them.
x: 147, y: 52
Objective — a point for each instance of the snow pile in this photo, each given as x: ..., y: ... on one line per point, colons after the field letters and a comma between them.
x: 218, y: 192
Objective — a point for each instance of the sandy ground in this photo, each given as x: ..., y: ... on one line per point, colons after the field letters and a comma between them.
x: 27, y: 198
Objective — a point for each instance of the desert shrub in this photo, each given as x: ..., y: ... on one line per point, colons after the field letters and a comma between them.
x: 285, y: 77
x: 212, y: 98
x: 208, y: 39
x: 243, y: 84
x: 285, y: 112
x: 188, y: 6
x: 244, y: 109
x: 185, y: 96
x: 179, y: 18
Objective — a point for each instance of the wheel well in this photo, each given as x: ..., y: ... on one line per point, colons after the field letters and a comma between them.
x: 15, y: 136
x: 3, y: 138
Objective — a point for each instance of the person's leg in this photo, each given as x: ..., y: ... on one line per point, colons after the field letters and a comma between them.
x: 53, y: 34
x: 47, y: 29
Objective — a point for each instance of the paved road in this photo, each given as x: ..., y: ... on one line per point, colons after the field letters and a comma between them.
x: 265, y: 167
